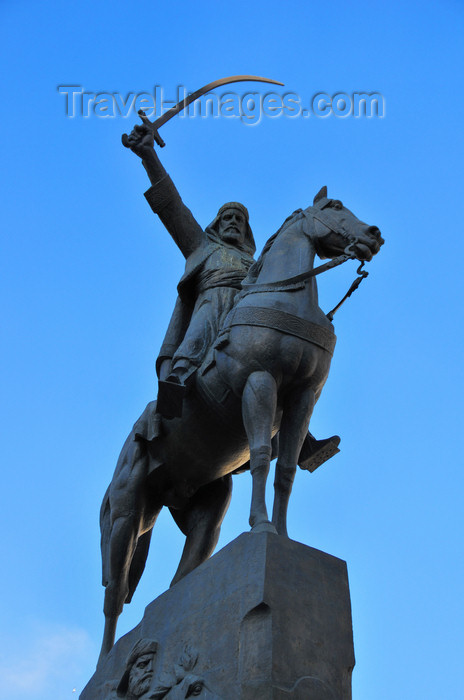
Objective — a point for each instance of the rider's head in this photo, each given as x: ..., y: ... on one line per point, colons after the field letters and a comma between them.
x: 232, y: 226
x: 138, y: 674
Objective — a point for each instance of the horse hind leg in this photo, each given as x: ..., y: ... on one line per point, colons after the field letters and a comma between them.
x: 121, y: 522
x: 128, y: 554
x: 201, y: 522
x: 138, y: 562
x: 259, y: 402
x: 105, y: 532
x: 295, y: 420
x: 124, y: 539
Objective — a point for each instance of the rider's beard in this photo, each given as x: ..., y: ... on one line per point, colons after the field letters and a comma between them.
x: 231, y: 233
x: 140, y: 686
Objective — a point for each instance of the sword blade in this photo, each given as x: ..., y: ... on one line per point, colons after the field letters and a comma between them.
x: 202, y: 91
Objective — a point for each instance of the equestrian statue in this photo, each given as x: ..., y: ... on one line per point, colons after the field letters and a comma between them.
x: 244, y: 360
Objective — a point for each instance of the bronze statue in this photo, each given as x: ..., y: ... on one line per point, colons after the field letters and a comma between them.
x: 255, y: 370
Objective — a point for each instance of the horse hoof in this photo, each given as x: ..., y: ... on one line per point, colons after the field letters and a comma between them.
x: 265, y: 526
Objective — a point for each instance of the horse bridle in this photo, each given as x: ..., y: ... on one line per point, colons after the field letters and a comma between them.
x: 296, y: 281
x: 348, y: 253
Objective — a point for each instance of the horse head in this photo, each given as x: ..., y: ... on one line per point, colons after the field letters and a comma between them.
x: 191, y: 686
x: 338, y: 230
x: 182, y: 682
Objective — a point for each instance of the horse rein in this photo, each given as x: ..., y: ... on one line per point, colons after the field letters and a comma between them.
x: 299, y: 280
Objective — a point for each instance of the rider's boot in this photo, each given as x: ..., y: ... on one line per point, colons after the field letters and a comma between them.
x: 315, y: 452
x: 172, y: 391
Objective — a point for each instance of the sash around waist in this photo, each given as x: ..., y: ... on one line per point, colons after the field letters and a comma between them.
x: 210, y: 279
x: 284, y: 322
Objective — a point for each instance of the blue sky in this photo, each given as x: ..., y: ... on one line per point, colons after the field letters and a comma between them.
x: 89, y: 279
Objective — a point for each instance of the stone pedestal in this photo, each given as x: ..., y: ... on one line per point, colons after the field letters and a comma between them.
x: 266, y: 618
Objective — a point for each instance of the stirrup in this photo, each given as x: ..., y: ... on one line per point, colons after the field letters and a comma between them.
x: 316, y: 452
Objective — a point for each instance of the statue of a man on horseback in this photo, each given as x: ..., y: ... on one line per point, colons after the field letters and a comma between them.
x: 217, y: 261
x: 243, y: 363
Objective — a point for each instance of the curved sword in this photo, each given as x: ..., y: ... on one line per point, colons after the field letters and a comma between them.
x: 154, y: 126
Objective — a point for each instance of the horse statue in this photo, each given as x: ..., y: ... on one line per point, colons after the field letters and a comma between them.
x: 264, y: 374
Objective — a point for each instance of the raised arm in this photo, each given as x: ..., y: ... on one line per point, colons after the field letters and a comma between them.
x: 163, y: 197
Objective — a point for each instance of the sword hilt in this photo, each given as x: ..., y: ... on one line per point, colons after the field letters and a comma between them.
x: 153, y: 129
x: 147, y: 122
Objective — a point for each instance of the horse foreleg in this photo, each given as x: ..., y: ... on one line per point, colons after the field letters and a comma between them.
x: 295, y: 420
x: 259, y: 403
x: 201, y: 523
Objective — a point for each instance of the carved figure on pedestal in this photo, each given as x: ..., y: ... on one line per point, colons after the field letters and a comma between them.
x: 137, y: 678
x: 139, y: 681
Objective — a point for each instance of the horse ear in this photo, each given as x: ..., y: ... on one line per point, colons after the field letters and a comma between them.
x: 321, y: 194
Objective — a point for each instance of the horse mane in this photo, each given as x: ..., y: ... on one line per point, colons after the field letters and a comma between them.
x: 257, y: 266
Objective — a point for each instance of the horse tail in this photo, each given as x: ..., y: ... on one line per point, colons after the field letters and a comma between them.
x: 105, y: 531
